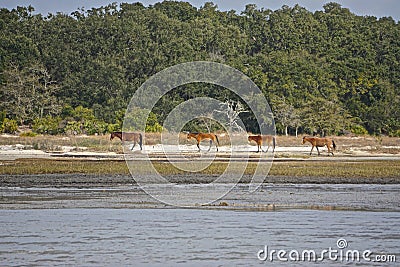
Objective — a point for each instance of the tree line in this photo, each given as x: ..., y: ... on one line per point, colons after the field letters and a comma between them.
x: 330, y: 71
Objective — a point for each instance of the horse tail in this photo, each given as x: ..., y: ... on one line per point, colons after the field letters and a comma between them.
x: 334, y: 145
x: 274, y: 141
x: 140, y: 140
x: 216, y: 137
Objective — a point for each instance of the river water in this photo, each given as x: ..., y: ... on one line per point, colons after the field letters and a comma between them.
x: 192, y: 237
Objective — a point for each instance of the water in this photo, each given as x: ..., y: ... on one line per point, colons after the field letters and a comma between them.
x: 181, y: 237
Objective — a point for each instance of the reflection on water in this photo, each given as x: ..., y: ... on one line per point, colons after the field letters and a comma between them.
x: 171, y: 237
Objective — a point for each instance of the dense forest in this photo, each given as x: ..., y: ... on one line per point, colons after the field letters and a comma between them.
x: 330, y: 71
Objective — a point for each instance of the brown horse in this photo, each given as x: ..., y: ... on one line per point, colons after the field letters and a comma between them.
x: 137, y: 138
x: 201, y: 136
x: 262, y: 139
x: 320, y: 142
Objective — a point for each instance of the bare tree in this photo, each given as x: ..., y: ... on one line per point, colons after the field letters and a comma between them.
x: 231, y: 110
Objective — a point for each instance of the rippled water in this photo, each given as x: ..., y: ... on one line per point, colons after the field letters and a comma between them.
x: 173, y: 237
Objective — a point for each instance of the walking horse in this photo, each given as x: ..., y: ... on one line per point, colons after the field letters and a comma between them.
x: 263, y: 139
x: 320, y: 142
x: 137, y: 138
x: 201, y: 136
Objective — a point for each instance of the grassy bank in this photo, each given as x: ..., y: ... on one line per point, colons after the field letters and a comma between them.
x: 351, y: 169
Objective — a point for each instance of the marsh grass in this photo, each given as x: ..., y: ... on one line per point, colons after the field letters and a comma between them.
x: 351, y: 169
x: 45, y: 166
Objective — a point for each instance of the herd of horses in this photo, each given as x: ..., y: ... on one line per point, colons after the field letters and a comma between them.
x: 266, y: 140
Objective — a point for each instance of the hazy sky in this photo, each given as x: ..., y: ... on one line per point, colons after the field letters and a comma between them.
x: 377, y: 8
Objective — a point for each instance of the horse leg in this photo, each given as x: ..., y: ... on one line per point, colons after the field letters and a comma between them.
x: 265, y: 150
x: 134, y: 144
x: 329, y: 150
x: 258, y: 148
x: 209, y: 148
x: 198, y: 146
x: 318, y: 151
x: 311, y: 149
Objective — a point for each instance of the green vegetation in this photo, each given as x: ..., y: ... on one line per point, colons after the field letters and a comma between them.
x: 28, y: 134
x: 8, y: 126
x: 355, y: 169
x: 329, y: 71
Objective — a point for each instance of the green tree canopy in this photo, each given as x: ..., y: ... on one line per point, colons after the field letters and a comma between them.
x: 328, y: 66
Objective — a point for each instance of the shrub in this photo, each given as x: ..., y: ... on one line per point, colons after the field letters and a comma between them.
x: 155, y: 128
x: 395, y: 133
x: 73, y: 127
x: 358, y: 130
x: 83, y: 114
x: 28, y: 134
x: 89, y: 127
x: 152, y: 124
x: 113, y: 127
x: 47, y: 125
x: 94, y: 126
x: 9, y: 126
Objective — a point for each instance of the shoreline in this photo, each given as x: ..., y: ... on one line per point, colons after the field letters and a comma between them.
x: 281, y: 153
x: 351, y: 181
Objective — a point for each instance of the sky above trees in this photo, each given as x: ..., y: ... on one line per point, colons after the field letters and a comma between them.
x: 381, y: 8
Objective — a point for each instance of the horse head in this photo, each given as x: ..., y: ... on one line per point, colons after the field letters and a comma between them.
x: 304, y: 140
x: 116, y: 134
